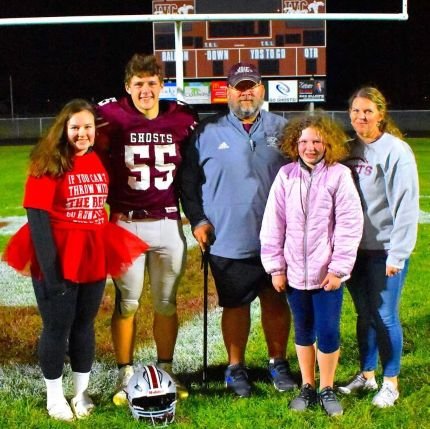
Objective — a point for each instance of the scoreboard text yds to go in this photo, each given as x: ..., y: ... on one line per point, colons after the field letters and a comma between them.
x: 279, y: 48
x: 272, y: 62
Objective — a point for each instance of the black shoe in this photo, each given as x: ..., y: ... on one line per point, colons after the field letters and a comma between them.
x: 280, y: 374
x: 236, y: 379
x: 306, y: 398
x: 330, y: 403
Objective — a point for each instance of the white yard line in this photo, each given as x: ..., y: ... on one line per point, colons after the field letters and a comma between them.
x: 16, y: 290
x: 424, y: 217
x: 11, y: 224
x: 25, y: 380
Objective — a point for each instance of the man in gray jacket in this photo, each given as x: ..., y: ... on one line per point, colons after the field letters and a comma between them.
x: 226, y: 177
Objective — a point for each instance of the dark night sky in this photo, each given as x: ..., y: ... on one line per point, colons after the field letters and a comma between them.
x: 58, y: 62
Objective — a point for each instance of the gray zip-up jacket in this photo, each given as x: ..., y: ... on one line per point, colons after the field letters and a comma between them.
x: 226, y: 178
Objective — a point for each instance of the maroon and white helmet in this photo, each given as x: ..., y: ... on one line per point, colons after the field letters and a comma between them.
x: 151, y: 394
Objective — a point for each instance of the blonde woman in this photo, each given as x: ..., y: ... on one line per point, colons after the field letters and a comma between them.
x: 386, y: 176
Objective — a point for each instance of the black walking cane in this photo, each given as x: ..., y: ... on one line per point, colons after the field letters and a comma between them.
x: 205, y: 266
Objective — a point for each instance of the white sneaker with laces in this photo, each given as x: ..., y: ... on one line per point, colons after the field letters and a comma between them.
x: 358, y: 384
x: 387, y: 396
x: 124, y: 375
x: 82, y: 405
x: 60, y: 411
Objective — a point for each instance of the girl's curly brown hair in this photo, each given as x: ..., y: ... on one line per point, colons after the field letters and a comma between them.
x: 331, y: 133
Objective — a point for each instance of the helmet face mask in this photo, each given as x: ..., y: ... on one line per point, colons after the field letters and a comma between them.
x: 151, y: 394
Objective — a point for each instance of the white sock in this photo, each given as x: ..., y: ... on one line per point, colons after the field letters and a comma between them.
x: 54, y: 391
x: 80, y: 383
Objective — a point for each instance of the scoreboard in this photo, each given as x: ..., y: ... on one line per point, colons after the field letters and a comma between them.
x: 286, y: 48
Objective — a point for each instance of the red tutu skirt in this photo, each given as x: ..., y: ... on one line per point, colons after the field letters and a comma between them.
x: 86, y: 255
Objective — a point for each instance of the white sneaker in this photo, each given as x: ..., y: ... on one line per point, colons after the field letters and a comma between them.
x: 358, y: 384
x: 386, y: 396
x: 181, y: 390
x: 82, y: 405
x: 124, y: 375
x: 60, y: 411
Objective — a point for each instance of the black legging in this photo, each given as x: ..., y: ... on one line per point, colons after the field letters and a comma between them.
x: 69, y: 316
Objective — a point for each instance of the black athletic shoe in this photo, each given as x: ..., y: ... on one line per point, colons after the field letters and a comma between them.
x: 307, y: 398
x: 236, y: 379
x: 280, y: 374
x: 330, y: 403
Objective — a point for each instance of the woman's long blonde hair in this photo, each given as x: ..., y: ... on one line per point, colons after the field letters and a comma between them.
x: 53, y: 155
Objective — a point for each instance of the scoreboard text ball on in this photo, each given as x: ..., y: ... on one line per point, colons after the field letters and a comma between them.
x: 284, y: 48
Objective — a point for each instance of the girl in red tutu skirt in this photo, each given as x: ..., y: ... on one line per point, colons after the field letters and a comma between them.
x: 69, y: 247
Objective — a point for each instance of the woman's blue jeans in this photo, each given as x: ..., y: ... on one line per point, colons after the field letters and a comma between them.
x: 376, y: 298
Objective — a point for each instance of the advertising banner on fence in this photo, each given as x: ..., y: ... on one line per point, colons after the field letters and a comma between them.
x: 283, y: 91
x: 169, y: 91
x: 279, y: 91
x: 197, y: 92
x: 219, y: 91
x: 311, y: 90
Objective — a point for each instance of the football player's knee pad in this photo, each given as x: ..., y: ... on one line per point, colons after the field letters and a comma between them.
x: 128, y: 308
x: 165, y: 308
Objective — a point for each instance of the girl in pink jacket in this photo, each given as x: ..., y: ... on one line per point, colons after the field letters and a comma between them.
x: 310, y: 233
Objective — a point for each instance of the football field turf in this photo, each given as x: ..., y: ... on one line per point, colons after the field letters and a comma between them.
x: 22, y: 389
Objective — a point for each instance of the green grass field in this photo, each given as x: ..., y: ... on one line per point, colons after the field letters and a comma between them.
x: 22, y: 399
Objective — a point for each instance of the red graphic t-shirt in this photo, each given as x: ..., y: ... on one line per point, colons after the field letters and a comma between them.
x: 89, y: 248
x: 79, y: 196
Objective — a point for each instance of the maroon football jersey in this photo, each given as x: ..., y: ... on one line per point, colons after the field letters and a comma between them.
x: 144, y: 155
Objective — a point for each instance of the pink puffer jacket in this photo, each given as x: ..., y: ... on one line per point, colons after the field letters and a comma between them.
x: 312, y: 224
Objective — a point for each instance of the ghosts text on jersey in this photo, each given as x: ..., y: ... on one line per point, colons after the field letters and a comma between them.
x: 151, y: 138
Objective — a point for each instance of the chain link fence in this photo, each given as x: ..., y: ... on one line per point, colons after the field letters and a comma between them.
x: 411, y: 122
